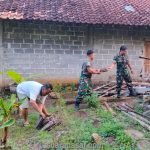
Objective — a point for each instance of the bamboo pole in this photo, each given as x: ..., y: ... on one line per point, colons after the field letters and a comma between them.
x: 109, y: 108
x: 98, y: 88
x: 143, y: 124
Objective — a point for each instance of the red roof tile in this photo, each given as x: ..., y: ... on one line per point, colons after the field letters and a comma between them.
x: 79, y: 11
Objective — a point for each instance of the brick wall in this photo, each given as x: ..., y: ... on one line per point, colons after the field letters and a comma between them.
x: 107, y: 42
x: 57, y: 50
x: 1, y: 54
x: 51, y: 49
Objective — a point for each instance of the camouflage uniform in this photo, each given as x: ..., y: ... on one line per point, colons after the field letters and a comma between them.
x: 123, y: 73
x: 85, y: 84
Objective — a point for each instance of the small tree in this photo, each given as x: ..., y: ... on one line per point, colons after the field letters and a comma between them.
x: 6, y: 107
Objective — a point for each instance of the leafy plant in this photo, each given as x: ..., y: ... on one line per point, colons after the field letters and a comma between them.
x: 92, y: 100
x: 16, y: 77
x: 57, y: 87
x: 110, y: 128
x: 6, y: 107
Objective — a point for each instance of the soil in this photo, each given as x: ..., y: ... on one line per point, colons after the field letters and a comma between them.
x: 96, y: 123
x: 111, y: 139
x: 135, y: 134
x: 81, y: 114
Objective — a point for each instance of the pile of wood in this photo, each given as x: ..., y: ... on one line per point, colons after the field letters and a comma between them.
x: 143, y: 120
x: 47, y: 123
x: 109, y: 89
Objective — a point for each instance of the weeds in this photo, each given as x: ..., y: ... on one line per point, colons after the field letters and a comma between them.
x: 92, y: 100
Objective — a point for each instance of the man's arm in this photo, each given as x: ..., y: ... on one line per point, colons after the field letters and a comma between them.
x: 36, y: 107
x: 93, y: 71
x: 129, y: 65
x: 111, y: 66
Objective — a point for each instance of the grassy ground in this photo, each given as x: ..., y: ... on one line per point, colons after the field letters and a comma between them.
x: 76, y: 131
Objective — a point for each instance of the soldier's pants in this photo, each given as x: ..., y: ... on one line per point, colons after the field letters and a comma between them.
x: 85, y: 89
x: 124, y: 76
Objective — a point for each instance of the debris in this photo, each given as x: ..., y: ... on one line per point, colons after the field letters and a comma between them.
x: 147, y: 113
x: 59, y: 134
x: 109, y: 108
x: 47, y: 123
x: 141, y: 89
x: 103, y: 86
x: 142, y: 120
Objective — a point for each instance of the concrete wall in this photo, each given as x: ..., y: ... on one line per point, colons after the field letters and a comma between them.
x: 51, y: 49
x: 107, y: 42
x: 57, y: 50
x: 1, y: 53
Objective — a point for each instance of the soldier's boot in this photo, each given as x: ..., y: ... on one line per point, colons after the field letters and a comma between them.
x: 77, y: 105
x: 132, y: 93
x: 118, y: 94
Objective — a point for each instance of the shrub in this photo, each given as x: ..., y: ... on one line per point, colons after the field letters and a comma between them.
x: 92, y: 100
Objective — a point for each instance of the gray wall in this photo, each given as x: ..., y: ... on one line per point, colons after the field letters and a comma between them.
x: 57, y: 50
x: 1, y: 53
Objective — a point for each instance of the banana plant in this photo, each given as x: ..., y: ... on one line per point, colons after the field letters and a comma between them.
x: 6, y: 107
x: 15, y: 76
x: 18, y: 78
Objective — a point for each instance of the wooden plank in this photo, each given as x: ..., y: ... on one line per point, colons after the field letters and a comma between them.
x: 105, y: 92
x: 105, y: 85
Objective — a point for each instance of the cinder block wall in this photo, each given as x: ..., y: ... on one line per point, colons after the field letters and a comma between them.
x: 57, y: 50
x: 1, y: 55
x: 53, y: 50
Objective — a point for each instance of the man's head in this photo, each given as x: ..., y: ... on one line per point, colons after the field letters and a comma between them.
x: 46, y: 89
x: 90, y: 54
x: 123, y: 50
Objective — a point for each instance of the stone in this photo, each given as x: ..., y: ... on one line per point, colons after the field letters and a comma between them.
x: 97, y: 139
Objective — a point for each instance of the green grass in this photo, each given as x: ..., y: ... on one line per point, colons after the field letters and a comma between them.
x: 77, y: 131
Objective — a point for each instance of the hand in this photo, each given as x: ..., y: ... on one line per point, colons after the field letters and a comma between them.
x: 43, y: 115
x: 48, y: 115
x: 98, y: 71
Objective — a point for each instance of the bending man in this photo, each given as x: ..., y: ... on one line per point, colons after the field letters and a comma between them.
x: 32, y: 92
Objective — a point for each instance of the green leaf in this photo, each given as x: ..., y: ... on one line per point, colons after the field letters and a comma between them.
x: 12, y: 101
x: 4, y: 107
x: 7, y: 123
x: 16, y: 77
x: 1, y: 73
x: 1, y: 118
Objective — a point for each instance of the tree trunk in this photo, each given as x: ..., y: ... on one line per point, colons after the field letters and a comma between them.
x: 5, y: 136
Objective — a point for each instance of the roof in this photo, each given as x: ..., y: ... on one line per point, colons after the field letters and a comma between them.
x: 123, y: 12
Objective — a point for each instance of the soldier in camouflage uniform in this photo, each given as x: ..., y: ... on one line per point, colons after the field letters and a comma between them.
x: 85, y: 83
x: 122, y: 62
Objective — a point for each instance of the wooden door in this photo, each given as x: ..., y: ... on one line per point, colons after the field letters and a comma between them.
x: 147, y: 62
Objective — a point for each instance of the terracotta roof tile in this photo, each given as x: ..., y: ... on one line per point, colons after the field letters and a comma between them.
x: 79, y: 11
